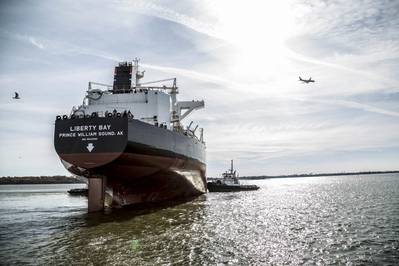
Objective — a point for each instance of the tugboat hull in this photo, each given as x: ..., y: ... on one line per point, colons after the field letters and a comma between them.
x: 138, y: 162
x: 215, y: 187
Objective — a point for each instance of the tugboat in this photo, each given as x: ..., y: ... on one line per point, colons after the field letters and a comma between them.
x: 78, y: 192
x: 129, y: 141
x: 229, y: 183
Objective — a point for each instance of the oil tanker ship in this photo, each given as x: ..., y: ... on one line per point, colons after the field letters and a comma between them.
x: 128, y: 140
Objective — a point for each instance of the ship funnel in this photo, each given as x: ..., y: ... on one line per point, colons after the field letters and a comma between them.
x: 123, y: 77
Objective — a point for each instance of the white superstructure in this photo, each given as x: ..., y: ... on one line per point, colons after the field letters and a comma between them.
x: 230, y: 177
x: 156, y: 105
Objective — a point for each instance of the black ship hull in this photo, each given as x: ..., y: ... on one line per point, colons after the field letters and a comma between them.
x: 131, y: 162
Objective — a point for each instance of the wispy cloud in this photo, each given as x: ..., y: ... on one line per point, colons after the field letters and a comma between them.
x: 151, y: 8
x: 22, y: 37
x: 203, y: 77
x: 355, y: 105
x: 327, y: 23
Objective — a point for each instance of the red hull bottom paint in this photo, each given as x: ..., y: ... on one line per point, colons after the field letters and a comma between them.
x: 137, y: 178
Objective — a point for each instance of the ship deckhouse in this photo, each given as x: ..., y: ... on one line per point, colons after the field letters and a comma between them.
x: 156, y: 105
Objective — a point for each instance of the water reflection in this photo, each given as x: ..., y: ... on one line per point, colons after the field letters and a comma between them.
x: 326, y: 220
x: 139, y: 236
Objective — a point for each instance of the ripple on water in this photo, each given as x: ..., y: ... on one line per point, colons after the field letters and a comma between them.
x: 318, y: 220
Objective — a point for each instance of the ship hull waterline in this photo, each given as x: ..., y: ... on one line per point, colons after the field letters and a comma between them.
x: 213, y: 187
x: 129, y: 162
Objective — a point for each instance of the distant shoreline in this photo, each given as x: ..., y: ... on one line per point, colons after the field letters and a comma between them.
x: 320, y: 174
x: 32, y: 180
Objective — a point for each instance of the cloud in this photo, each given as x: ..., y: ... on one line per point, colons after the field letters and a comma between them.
x: 245, y: 69
x: 326, y: 24
x: 33, y: 41
x: 24, y: 38
x: 203, y: 77
x: 356, y: 105
x: 150, y: 8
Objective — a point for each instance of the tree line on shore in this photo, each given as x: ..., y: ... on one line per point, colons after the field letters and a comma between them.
x: 57, y: 179
x: 320, y: 174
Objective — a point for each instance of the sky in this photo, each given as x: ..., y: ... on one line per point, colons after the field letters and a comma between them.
x: 243, y: 58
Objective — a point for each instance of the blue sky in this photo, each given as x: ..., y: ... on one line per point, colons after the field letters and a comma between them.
x: 243, y: 59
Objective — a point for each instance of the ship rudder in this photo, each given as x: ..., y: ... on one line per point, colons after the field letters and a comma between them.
x: 96, y: 198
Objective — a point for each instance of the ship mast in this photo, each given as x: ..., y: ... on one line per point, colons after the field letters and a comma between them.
x: 137, y: 74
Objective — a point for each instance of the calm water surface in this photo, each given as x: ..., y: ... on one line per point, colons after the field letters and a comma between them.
x: 314, y: 220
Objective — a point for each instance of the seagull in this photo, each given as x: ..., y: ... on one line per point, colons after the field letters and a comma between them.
x: 16, y: 97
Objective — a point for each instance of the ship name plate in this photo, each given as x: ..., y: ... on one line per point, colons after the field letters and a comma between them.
x: 107, y: 134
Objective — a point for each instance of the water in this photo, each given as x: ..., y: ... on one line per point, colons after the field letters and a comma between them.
x: 313, y: 220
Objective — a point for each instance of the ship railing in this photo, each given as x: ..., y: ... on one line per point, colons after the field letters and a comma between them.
x: 81, y: 114
x: 139, y: 89
x: 191, y: 134
x: 125, y: 113
x: 89, y: 88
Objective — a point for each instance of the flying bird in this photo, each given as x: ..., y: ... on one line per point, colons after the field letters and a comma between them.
x: 306, y: 80
x: 16, y: 97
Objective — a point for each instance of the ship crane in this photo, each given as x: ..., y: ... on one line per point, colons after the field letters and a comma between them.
x: 188, y: 107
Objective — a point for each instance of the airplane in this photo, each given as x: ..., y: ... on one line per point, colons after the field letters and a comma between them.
x: 16, y: 97
x: 306, y: 80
